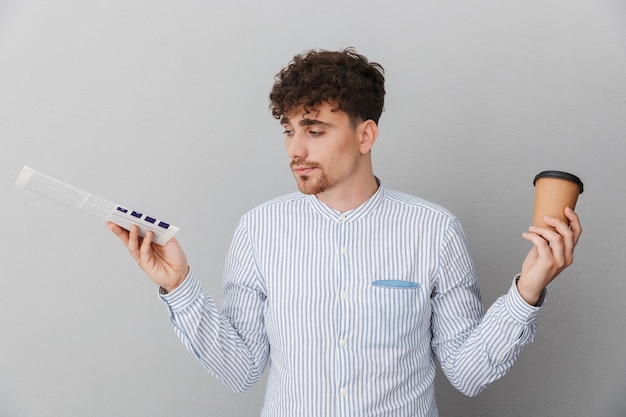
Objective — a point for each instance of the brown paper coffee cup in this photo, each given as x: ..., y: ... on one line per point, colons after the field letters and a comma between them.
x: 554, y: 191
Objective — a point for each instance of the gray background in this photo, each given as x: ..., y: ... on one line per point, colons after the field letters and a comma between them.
x: 162, y: 106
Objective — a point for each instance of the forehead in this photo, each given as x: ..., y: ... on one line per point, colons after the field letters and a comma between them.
x: 325, y: 112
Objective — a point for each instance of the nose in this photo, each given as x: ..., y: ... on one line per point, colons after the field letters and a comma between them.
x: 296, y: 146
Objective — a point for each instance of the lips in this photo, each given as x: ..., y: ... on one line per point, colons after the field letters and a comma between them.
x: 301, y: 168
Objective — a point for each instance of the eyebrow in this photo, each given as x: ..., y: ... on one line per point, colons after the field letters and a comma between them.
x: 305, y: 122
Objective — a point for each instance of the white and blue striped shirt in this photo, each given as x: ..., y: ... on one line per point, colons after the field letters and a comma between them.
x: 350, y: 308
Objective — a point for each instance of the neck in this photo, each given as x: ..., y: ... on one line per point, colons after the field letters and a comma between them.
x: 350, y: 196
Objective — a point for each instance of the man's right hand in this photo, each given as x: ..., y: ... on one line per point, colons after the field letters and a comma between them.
x: 166, y: 265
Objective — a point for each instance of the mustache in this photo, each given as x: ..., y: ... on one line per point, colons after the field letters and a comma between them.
x: 302, y: 163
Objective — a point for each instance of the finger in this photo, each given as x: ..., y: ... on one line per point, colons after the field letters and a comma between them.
x: 133, y: 241
x: 536, y: 239
x: 569, y: 240
x: 561, y: 228
x: 553, y: 248
x: 146, y: 246
x: 121, y: 233
x: 574, y: 224
x: 568, y: 237
x: 550, y: 233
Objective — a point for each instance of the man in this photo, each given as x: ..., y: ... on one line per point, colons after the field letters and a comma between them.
x: 348, y: 289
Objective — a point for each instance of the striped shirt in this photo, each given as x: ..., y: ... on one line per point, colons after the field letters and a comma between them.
x: 349, y: 309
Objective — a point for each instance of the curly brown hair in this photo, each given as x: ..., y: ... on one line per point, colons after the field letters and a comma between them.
x: 345, y: 79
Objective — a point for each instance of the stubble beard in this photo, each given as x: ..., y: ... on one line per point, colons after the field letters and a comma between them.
x: 309, y: 184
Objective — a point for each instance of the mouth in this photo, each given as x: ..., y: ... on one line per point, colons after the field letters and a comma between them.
x: 302, y: 169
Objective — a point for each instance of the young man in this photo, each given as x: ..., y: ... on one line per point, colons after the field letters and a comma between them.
x: 348, y: 289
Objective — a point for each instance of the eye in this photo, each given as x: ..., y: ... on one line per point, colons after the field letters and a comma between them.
x: 316, y: 132
x: 288, y: 132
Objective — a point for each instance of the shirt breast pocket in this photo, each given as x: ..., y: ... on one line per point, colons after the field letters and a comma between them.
x: 397, y: 306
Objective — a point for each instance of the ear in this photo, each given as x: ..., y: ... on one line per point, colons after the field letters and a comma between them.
x: 368, y: 132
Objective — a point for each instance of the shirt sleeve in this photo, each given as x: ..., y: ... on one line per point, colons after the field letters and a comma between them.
x: 231, y: 344
x: 475, y: 348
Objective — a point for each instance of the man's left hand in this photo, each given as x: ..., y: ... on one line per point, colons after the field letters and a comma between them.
x: 552, y: 252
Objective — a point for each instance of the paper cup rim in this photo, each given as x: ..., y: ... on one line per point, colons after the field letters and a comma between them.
x: 560, y: 175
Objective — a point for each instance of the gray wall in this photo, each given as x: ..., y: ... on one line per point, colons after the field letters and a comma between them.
x: 162, y: 106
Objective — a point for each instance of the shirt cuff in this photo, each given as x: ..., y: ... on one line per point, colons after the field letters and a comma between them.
x: 183, y: 295
x: 520, y: 309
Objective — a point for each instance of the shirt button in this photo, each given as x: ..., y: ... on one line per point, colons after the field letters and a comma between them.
x: 344, y: 295
x: 342, y: 217
x: 343, y: 342
x: 344, y: 249
x: 343, y: 392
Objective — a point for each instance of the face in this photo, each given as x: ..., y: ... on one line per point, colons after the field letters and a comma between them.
x: 324, y: 148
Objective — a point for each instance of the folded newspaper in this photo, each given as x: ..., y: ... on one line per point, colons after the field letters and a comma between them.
x: 38, y: 183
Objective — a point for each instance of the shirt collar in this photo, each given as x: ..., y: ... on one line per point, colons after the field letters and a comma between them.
x: 361, y: 211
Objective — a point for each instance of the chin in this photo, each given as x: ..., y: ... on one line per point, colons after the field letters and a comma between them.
x: 308, y: 186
